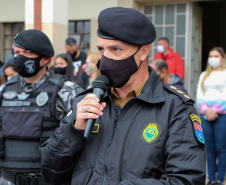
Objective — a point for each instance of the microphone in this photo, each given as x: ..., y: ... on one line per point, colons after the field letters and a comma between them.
x: 100, y: 85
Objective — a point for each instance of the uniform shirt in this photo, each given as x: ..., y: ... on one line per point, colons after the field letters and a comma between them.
x: 122, y: 101
x: 215, y: 92
x: 66, y: 94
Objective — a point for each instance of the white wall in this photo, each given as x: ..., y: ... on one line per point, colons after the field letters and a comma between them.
x: 12, y: 10
x: 87, y: 9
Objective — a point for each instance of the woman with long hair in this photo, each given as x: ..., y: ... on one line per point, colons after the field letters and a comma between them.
x: 211, y: 102
x: 90, y: 67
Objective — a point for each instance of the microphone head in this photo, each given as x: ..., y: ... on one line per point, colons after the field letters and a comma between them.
x: 101, y: 82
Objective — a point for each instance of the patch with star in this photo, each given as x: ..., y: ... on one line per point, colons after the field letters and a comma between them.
x: 150, y: 133
x: 197, y: 128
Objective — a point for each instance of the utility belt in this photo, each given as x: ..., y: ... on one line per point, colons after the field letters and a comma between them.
x: 23, y: 179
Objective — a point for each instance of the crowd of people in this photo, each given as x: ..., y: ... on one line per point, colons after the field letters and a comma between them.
x: 147, y: 128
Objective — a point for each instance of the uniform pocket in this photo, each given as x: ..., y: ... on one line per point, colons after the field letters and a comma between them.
x: 82, y: 177
x: 26, y: 125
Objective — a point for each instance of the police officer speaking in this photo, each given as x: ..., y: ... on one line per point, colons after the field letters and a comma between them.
x: 32, y: 103
x: 145, y: 133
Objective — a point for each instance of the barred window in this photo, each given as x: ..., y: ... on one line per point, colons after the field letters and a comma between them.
x: 10, y: 31
x: 169, y: 21
x: 80, y: 30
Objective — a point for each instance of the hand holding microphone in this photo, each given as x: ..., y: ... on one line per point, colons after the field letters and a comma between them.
x: 91, y: 107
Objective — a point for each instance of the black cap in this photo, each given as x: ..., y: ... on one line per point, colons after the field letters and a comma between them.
x: 127, y: 25
x: 35, y: 41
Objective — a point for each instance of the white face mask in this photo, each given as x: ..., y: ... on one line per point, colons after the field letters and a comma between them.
x: 160, y: 48
x: 214, y: 62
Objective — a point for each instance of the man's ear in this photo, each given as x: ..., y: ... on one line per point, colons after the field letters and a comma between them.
x: 145, y: 52
x: 45, y: 60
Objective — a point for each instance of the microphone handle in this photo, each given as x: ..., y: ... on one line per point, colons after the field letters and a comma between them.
x: 90, y: 122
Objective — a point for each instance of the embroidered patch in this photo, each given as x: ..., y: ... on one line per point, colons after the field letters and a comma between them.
x: 9, y: 95
x: 151, y: 132
x: 96, y: 128
x: 22, y: 96
x: 197, y: 128
x: 42, y: 99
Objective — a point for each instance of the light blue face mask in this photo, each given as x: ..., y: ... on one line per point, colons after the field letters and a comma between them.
x: 89, y: 68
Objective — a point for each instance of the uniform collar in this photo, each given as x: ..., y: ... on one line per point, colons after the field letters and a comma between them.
x: 152, y: 91
x: 31, y: 87
x: 133, y: 93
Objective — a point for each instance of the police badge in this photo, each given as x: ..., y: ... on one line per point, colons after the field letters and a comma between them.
x: 9, y: 95
x: 23, y: 96
x: 42, y: 99
x: 151, y: 132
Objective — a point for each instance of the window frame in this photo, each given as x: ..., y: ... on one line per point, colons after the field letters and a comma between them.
x: 81, y: 34
x: 14, y: 32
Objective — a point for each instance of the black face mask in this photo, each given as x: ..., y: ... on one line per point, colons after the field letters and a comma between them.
x: 73, y: 55
x: 28, y: 67
x: 60, y: 70
x: 118, y: 71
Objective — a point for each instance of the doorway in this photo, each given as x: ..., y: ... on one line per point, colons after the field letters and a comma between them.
x: 213, y: 27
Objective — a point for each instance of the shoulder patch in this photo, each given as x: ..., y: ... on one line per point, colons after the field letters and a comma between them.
x: 185, y: 98
x: 196, y: 121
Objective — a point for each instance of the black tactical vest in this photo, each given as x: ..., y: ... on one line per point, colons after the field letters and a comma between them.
x: 27, y: 120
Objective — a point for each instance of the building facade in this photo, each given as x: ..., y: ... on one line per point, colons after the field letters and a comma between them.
x: 192, y: 26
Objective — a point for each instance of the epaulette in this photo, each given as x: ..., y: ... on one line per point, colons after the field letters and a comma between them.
x: 185, y: 98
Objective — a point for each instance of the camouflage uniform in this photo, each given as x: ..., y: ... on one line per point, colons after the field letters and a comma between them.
x: 64, y: 99
x: 65, y: 95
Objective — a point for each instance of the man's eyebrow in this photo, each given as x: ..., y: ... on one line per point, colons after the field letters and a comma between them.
x: 112, y: 46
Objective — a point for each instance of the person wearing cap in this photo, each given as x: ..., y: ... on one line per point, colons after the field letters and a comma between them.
x: 145, y: 133
x: 79, y: 59
x: 32, y: 105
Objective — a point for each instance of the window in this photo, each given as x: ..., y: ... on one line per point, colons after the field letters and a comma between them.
x: 80, y: 30
x: 169, y: 21
x: 10, y: 31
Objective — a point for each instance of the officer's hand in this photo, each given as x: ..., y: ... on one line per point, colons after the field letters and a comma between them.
x: 88, y: 108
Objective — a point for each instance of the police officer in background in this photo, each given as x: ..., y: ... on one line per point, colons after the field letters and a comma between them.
x: 146, y: 133
x: 32, y: 103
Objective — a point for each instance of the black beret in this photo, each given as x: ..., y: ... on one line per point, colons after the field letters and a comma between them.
x: 127, y: 25
x: 35, y: 41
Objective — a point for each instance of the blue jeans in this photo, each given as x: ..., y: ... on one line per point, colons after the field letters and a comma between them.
x: 215, y: 136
